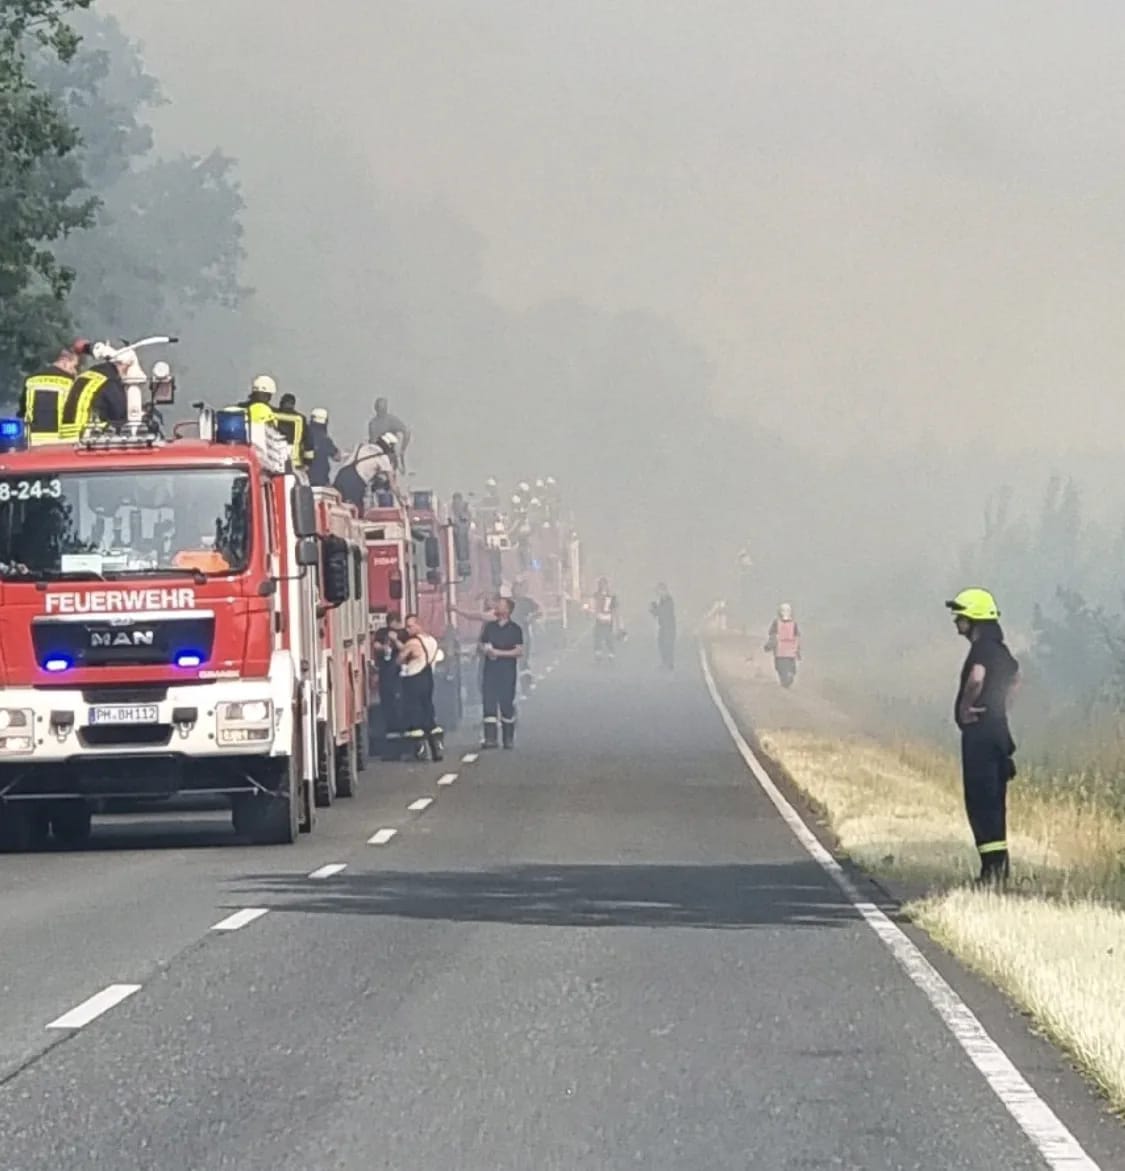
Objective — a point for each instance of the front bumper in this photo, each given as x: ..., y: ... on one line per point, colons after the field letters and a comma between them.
x: 198, y: 741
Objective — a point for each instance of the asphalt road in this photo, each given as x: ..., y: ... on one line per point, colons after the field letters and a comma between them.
x: 604, y: 950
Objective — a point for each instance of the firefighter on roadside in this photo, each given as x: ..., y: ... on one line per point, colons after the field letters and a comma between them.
x: 324, y: 451
x: 501, y: 646
x: 664, y: 611
x: 989, y: 679
x: 45, y: 391
x: 784, y: 642
x: 605, y: 620
x: 416, y: 660
x: 387, y: 647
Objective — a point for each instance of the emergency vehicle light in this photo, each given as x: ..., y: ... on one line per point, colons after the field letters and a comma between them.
x: 56, y: 663
x: 13, y: 435
x: 188, y: 659
x: 232, y: 427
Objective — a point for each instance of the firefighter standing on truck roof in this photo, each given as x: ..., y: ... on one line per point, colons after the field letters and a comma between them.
x: 295, y: 427
x: 45, y: 391
x: 989, y: 678
x: 324, y: 451
x: 420, y: 651
x: 501, y: 644
x: 99, y: 394
x: 259, y: 403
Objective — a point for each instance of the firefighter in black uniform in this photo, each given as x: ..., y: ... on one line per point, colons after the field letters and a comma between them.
x: 501, y: 644
x: 420, y: 651
x: 989, y: 678
x: 387, y: 647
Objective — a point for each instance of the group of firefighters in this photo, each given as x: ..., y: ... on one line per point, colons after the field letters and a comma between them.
x: 60, y: 400
x: 406, y: 655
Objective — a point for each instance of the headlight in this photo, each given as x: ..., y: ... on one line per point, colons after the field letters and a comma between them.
x: 245, y: 723
x: 256, y: 711
x: 16, y: 725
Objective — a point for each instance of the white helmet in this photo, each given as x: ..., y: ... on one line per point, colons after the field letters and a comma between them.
x: 264, y: 384
x: 318, y: 415
x: 785, y: 611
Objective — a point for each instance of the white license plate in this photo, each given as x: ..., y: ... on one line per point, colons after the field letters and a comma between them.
x: 145, y: 713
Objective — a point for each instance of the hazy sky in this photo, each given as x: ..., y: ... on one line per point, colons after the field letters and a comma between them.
x: 877, y: 217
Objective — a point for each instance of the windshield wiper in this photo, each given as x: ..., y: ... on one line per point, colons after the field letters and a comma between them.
x: 196, y: 575
x: 14, y: 574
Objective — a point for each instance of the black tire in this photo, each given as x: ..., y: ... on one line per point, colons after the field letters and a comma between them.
x: 326, y: 784
x: 347, y: 769
x: 274, y: 819
x: 72, y: 824
x: 17, y: 829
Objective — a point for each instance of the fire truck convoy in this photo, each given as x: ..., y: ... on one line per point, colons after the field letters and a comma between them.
x: 187, y: 616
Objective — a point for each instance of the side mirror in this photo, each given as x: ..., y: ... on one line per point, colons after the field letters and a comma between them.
x: 433, y: 556
x: 304, y: 511
x: 336, y: 579
x: 307, y: 552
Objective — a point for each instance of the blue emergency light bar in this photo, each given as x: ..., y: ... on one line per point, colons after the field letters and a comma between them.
x: 232, y: 426
x: 13, y: 435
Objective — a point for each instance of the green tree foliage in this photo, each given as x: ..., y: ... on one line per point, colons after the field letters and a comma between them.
x: 167, y: 240
x: 41, y: 190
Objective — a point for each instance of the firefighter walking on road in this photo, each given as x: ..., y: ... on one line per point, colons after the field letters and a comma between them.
x: 501, y: 645
x: 784, y: 642
x: 420, y: 651
x: 605, y: 620
x: 664, y: 611
x: 989, y: 679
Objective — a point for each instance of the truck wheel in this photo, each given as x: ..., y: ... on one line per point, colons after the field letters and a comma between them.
x: 274, y: 820
x: 347, y: 769
x: 71, y: 824
x: 327, y: 783
x: 16, y: 829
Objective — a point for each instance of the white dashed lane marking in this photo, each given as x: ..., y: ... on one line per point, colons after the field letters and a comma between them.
x: 381, y: 837
x: 448, y: 779
x: 470, y: 758
x: 93, y: 1008
x: 1061, y: 1151
x: 420, y: 804
x: 329, y: 870
x: 240, y: 919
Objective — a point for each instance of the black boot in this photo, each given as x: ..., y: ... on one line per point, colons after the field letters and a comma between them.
x: 994, y: 869
x: 509, y: 732
x: 437, y: 745
x: 489, y: 740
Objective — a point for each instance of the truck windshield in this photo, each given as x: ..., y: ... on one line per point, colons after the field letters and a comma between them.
x: 111, y: 523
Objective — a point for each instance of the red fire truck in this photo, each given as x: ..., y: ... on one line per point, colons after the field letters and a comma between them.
x: 342, y: 701
x: 158, y: 626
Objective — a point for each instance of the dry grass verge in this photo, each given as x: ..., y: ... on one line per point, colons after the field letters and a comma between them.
x: 1057, y: 945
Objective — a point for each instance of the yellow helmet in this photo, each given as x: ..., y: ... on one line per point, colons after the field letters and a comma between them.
x: 975, y: 604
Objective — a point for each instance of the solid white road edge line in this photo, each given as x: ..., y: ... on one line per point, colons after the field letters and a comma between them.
x: 1051, y: 1138
x: 93, y: 1008
x: 240, y: 919
x: 470, y: 758
x: 448, y: 779
x: 381, y: 837
x: 329, y: 870
x: 420, y: 804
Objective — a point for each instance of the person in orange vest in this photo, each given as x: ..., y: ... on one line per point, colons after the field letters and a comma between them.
x: 784, y: 642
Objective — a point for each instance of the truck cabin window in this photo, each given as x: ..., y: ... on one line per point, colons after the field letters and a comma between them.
x: 103, y: 524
